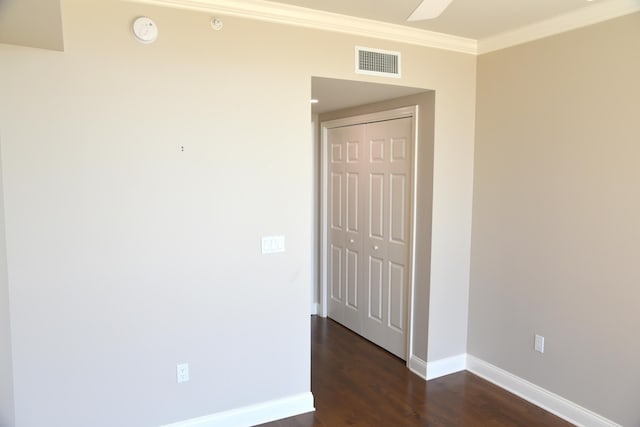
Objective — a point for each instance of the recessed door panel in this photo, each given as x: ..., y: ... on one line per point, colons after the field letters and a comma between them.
x: 376, y: 205
x: 335, y: 196
x: 353, y: 151
x: 375, y: 288
x: 398, y: 149
x: 397, y: 207
x: 336, y: 153
x: 335, y: 273
x: 376, y: 150
x: 353, y: 199
x: 352, y: 279
x: 396, y: 297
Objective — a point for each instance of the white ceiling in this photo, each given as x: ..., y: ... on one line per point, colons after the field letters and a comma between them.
x: 475, y: 19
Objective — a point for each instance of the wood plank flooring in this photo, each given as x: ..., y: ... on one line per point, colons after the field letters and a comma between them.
x: 356, y: 383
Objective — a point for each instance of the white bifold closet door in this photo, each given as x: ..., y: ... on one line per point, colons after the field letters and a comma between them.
x: 369, y: 218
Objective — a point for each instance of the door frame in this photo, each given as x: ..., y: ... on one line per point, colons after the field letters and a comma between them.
x: 397, y: 113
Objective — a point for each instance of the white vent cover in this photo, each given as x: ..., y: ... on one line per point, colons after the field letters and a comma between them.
x: 377, y: 62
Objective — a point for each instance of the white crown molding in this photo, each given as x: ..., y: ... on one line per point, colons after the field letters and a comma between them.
x: 597, y: 12
x: 281, y: 13
x: 302, y: 17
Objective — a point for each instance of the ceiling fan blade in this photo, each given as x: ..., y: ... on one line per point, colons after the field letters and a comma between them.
x: 429, y: 9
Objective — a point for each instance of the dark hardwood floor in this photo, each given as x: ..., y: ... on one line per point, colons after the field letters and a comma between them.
x: 356, y: 383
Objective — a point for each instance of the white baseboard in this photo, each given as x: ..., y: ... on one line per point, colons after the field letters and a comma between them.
x: 303, y: 402
x: 418, y: 366
x: 450, y: 365
x: 438, y: 368
x: 545, y: 399
x: 254, y: 414
x: 551, y: 402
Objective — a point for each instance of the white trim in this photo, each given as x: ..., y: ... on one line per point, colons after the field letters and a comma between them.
x: 254, y: 414
x: 597, y: 12
x: 530, y: 392
x: 545, y: 399
x: 414, y: 228
x: 449, y: 365
x: 397, y: 113
x: 418, y: 366
x: 314, y: 218
x: 324, y: 220
x: 281, y: 13
x: 309, y: 18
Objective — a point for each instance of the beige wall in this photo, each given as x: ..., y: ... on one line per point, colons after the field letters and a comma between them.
x: 425, y: 103
x: 6, y: 369
x: 34, y: 23
x: 126, y: 255
x: 555, y: 215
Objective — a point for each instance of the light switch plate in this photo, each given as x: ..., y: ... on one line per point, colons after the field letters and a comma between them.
x: 182, y: 372
x: 539, y: 344
x: 272, y: 244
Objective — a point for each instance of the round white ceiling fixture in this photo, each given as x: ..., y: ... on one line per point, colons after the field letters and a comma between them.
x: 144, y: 29
x: 216, y: 24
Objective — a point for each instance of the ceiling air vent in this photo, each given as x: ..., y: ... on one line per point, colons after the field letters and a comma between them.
x: 377, y: 62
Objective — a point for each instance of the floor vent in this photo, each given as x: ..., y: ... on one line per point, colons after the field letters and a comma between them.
x: 377, y: 62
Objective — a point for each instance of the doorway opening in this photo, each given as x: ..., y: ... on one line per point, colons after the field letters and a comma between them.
x: 367, y: 244
x: 343, y: 103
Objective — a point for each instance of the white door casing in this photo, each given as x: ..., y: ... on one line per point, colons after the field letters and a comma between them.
x: 368, y: 200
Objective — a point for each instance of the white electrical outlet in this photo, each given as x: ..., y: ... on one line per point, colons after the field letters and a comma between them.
x: 539, y: 344
x: 182, y: 372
